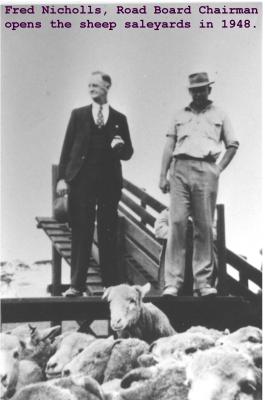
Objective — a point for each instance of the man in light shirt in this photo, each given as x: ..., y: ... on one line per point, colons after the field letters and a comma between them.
x: 97, y: 138
x: 194, y: 143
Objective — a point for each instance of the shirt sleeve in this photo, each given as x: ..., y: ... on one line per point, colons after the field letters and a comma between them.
x: 172, y: 132
x: 228, y: 135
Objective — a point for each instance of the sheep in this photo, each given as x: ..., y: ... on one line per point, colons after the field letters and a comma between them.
x: 107, y: 359
x: 124, y: 357
x: 214, y: 333
x: 130, y: 317
x: 180, y: 346
x: 37, y: 343
x: 165, y: 381
x: 27, y: 343
x: 10, y: 350
x: 222, y: 373
x: 9, y: 365
x: 70, y: 345
x: 250, y: 334
x: 73, y: 388
x: 28, y: 372
x: 92, y: 361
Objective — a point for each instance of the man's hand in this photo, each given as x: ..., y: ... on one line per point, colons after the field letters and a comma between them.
x: 62, y: 188
x: 164, y: 184
x: 117, y: 142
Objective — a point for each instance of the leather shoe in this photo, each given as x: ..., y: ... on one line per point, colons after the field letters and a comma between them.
x: 72, y: 292
x: 205, y: 291
x: 170, y: 291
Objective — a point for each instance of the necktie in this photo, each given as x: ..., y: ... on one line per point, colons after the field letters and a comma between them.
x: 100, y: 119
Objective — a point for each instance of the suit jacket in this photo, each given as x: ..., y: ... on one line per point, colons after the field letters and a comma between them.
x: 77, y: 141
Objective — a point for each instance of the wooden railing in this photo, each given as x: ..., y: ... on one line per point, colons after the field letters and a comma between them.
x: 139, y: 257
x: 141, y: 210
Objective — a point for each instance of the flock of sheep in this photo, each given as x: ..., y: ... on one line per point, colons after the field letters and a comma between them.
x: 147, y: 361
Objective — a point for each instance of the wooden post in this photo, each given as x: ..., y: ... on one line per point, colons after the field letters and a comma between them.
x: 243, y: 278
x: 120, y: 251
x: 56, y: 273
x: 188, y: 281
x: 56, y: 258
x: 54, y: 183
x: 221, y: 251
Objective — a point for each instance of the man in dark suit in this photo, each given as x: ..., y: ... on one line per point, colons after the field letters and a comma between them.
x: 97, y: 138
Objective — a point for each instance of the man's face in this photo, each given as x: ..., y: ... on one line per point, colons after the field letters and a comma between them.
x: 200, y: 95
x: 98, y: 88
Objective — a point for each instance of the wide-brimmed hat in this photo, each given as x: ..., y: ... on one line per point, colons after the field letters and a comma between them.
x: 199, y: 79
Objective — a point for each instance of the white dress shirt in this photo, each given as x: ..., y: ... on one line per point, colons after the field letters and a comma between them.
x: 105, y: 111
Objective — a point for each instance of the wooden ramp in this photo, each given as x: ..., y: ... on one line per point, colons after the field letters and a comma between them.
x: 60, y: 236
x: 139, y: 252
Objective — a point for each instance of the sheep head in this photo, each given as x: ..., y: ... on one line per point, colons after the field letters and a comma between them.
x: 9, y: 370
x: 125, y: 304
x: 223, y: 374
x: 92, y: 361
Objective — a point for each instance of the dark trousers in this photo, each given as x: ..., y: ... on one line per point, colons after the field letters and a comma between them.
x: 92, y: 193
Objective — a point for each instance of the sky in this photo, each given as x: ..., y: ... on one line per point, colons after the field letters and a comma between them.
x: 45, y: 74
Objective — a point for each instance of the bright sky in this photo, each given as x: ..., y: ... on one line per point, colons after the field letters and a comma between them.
x: 45, y: 74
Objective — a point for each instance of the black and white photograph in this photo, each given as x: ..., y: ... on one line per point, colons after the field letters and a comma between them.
x: 131, y: 201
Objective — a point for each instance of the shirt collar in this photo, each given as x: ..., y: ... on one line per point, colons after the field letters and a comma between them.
x: 96, y: 106
x: 190, y: 108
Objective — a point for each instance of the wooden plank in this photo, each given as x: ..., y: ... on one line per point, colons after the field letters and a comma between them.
x: 141, y: 194
x: 238, y: 289
x: 219, y: 312
x: 61, y: 239
x: 94, y: 280
x: 150, y: 245
x: 141, y: 258
x: 135, y: 276
x: 125, y: 213
x: 96, y: 290
x: 65, y: 253
x: 145, y: 216
x: 57, y: 232
x: 63, y: 246
x: 241, y: 264
x: 54, y: 226
x: 46, y: 220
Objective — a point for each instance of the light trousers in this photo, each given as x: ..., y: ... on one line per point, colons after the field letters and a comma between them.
x: 193, y: 192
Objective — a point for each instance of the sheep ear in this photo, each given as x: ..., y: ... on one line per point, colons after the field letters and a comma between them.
x: 145, y: 288
x: 50, y: 332
x: 226, y: 332
x: 106, y: 294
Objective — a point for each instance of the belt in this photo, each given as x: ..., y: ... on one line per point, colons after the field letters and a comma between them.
x: 208, y: 159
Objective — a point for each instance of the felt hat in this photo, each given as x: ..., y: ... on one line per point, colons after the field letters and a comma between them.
x: 60, y: 209
x: 199, y: 79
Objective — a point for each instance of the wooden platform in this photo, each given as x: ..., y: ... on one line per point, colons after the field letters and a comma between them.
x: 183, y: 312
x: 139, y: 254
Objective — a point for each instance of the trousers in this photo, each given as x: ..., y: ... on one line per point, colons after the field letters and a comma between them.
x: 93, y: 194
x: 193, y: 192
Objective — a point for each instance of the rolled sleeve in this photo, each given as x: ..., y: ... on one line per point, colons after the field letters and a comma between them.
x: 172, y: 132
x: 228, y: 135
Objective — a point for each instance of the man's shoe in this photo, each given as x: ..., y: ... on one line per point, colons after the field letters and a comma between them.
x: 72, y: 292
x: 170, y: 291
x: 205, y: 291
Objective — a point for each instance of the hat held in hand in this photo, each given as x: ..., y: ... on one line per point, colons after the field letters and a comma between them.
x: 60, y: 208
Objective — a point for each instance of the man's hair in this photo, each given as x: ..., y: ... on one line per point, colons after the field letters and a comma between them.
x: 104, y: 76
